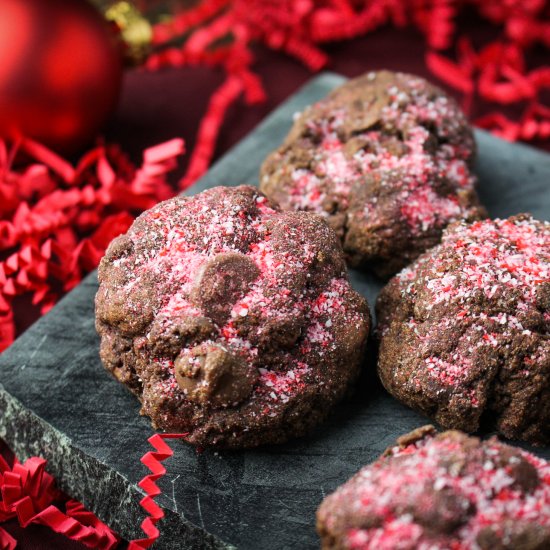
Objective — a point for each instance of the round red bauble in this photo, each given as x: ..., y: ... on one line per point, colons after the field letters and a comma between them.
x: 60, y: 71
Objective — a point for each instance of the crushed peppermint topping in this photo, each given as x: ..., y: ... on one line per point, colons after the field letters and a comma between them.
x: 480, y: 289
x: 427, y: 177
x: 447, y: 372
x: 487, y: 257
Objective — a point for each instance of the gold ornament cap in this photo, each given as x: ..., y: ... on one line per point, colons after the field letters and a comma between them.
x: 135, y: 29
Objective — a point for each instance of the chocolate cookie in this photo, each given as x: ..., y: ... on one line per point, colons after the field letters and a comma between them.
x: 229, y: 319
x: 386, y: 159
x: 465, y: 330
x: 440, y: 492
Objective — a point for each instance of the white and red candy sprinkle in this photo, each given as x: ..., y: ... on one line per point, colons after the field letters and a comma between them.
x: 176, y: 258
x: 416, y: 171
x: 488, y: 258
x: 492, y: 254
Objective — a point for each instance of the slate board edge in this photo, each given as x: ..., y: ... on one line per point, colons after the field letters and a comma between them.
x: 33, y: 436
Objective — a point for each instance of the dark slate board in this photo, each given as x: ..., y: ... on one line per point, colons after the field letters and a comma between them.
x: 58, y: 402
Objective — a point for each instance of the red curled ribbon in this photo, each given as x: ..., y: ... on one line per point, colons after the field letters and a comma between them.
x: 153, y: 460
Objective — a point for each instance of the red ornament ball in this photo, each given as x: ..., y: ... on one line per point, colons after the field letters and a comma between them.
x: 60, y: 71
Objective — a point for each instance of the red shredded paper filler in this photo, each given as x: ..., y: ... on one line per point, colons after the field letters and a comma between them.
x: 222, y: 32
x: 28, y: 494
x: 56, y: 220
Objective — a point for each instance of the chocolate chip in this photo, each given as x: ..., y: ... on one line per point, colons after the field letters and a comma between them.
x: 512, y: 535
x: 412, y: 437
x: 120, y: 247
x: 209, y: 374
x: 366, y: 114
x: 525, y: 475
x: 130, y: 310
x: 221, y: 282
x: 354, y: 145
x: 169, y: 335
x: 443, y: 510
x: 543, y: 297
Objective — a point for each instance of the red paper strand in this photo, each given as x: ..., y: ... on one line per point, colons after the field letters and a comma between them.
x: 208, y: 130
x: 7, y: 542
x: 455, y: 75
x: 153, y: 460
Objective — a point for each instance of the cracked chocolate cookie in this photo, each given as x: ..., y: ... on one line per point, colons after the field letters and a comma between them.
x: 440, y: 492
x: 231, y: 320
x: 465, y: 330
x: 386, y: 159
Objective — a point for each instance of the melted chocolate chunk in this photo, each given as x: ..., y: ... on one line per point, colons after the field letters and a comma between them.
x: 221, y: 282
x: 211, y: 375
x: 170, y: 334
